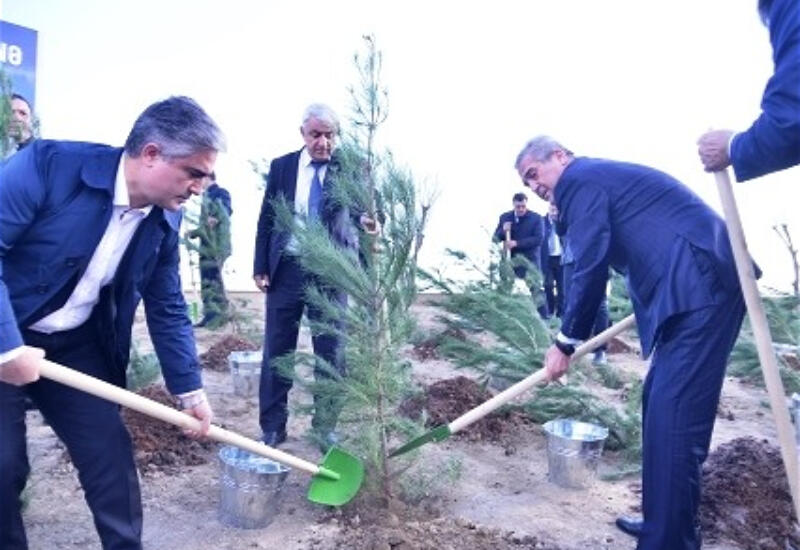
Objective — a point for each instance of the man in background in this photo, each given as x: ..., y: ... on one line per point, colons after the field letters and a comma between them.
x: 303, y: 179
x: 20, y: 128
x: 520, y: 231
x: 213, y: 233
x: 551, y: 266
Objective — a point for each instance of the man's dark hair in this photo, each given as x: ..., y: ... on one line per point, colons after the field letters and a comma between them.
x: 22, y: 98
x: 520, y: 197
x: 178, y: 125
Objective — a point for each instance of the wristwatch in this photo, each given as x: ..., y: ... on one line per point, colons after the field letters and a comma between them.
x: 190, y: 400
x: 565, y: 348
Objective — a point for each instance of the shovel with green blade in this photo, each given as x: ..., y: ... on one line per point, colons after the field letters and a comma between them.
x: 440, y: 433
x: 334, y: 482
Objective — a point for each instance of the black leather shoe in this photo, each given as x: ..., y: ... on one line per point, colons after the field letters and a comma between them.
x: 273, y: 439
x: 630, y: 526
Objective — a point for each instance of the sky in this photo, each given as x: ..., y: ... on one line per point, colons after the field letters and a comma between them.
x: 469, y: 83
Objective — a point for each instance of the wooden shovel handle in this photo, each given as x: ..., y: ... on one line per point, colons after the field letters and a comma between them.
x: 104, y: 390
x: 524, y: 385
x: 758, y: 321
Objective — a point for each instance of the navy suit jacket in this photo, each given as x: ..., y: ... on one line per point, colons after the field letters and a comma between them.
x: 56, y: 199
x: 671, y: 246
x: 271, y: 239
x: 527, y: 231
x: 773, y: 141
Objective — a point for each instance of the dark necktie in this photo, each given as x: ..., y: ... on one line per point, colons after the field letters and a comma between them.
x: 315, y: 194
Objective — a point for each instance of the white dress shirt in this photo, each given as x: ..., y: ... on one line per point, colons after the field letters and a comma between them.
x: 553, y: 242
x: 305, y: 173
x: 302, y: 191
x: 101, y: 269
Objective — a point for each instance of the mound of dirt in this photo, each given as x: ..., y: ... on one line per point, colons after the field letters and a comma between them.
x: 617, y: 345
x: 436, y: 534
x: 746, y: 497
x: 371, y: 526
x: 216, y: 358
x: 428, y: 348
x: 446, y: 400
x: 159, y: 446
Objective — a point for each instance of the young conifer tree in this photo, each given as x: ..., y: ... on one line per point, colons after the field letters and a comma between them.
x: 503, y: 338
x: 379, y: 281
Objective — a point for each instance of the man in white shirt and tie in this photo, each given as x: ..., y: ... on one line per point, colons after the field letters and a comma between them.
x: 301, y: 178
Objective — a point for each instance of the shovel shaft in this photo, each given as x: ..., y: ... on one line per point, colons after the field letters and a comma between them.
x: 758, y: 321
x: 104, y: 390
x: 524, y: 385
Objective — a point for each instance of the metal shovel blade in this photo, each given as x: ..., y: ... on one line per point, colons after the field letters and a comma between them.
x: 439, y: 433
x: 339, y: 478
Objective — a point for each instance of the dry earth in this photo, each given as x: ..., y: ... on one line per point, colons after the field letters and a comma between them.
x: 496, y: 490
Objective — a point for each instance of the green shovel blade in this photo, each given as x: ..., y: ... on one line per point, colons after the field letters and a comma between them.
x: 439, y: 433
x: 339, y: 478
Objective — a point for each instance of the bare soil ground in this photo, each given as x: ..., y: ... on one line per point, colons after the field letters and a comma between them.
x: 500, y: 500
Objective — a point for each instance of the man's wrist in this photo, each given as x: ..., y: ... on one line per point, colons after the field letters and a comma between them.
x: 565, y: 344
x: 190, y: 400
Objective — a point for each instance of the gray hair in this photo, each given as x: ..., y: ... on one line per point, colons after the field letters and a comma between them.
x: 322, y: 112
x: 179, y: 126
x: 540, y: 148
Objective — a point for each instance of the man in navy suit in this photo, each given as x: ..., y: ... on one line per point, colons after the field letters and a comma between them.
x: 772, y: 143
x: 525, y: 235
x: 675, y: 253
x: 86, y: 232
x: 302, y: 179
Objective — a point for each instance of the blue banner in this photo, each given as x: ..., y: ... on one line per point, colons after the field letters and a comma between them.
x: 18, y: 58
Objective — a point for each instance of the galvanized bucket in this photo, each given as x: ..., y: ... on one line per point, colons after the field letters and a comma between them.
x: 573, y: 451
x: 245, y: 372
x: 250, y: 488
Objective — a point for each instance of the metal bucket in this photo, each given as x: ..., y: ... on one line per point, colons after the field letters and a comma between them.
x: 250, y: 488
x: 245, y: 372
x: 573, y: 451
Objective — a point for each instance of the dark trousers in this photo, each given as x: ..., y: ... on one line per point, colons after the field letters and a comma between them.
x: 212, y: 290
x: 93, y: 432
x: 539, y: 302
x: 553, y: 285
x: 679, y: 405
x: 285, y: 305
x: 602, y: 320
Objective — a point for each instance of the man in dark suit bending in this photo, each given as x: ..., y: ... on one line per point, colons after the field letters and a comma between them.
x: 675, y: 254
x: 87, y: 231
